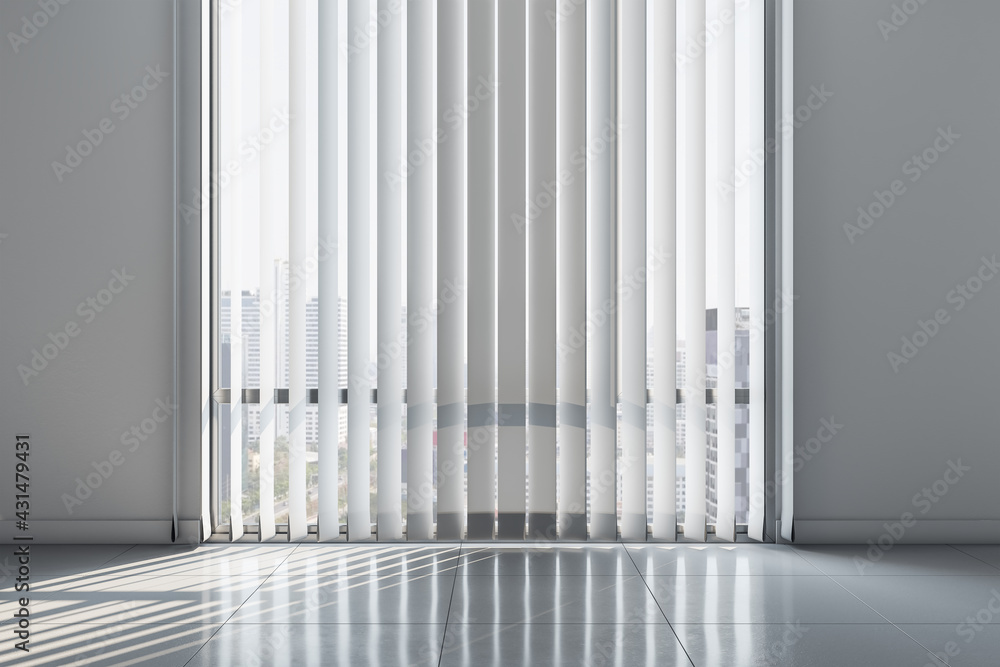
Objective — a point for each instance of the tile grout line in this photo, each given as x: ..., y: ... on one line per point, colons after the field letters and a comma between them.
x: 451, y: 599
x: 223, y: 624
x: 966, y: 553
x: 657, y: 602
x: 792, y: 548
x: 504, y: 626
x: 929, y: 652
x: 933, y: 655
x: 905, y: 633
x: 267, y: 577
x: 119, y: 555
x: 811, y: 564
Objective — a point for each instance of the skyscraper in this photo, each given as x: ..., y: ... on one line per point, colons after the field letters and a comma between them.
x: 740, y: 349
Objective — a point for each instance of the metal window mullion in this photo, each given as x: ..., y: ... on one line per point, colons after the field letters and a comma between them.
x: 787, y: 211
x: 210, y: 289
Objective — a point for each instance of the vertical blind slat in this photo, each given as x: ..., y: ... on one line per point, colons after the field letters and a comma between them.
x: 541, y: 236
x: 633, y: 293
x: 482, y: 274
x: 297, y: 250
x: 358, y: 279
x: 390, y: 209
x: 452, y: 105
x: 694, y: 289
x: 754, y: 209
x: 421, y: 126
x: 234, y: 246
x: 328, y: 230
x: 267, y: 295
x: 602, y: 132
x: 663, y: 216
x: 511, y: 118
x: 571, y: 212
x: 723, y: 52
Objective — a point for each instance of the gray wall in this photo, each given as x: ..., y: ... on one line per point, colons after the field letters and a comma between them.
x: 64, y: 241
x: 855, y: 300
x: 891, y: 95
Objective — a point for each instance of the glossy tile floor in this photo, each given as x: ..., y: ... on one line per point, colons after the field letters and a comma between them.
x: 495, y: 604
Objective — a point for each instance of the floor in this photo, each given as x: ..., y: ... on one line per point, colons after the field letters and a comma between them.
x: 494, y: 604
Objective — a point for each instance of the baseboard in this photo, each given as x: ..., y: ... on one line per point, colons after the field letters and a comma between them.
x: 920, y: 531
x: 102, y: 532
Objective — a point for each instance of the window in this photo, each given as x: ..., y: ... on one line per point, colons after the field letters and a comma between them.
x: 489, y: 269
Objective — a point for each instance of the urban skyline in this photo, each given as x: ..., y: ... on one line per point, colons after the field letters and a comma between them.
x: 251, y: 329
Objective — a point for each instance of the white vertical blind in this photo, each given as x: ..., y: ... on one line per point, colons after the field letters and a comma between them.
x: 694, y: 132
x: 787, y: 271
x: 358, y: 279
x: 390, y: 304
x: 541, y: 231
x: 523, y: 165
x: 511, y: 195
x: 662, y: 126
x: 482, y: 279
x: 421, y: 128
x: 234, y: 278
x: 723, y: 63
x: 452, y: 105
x: 571, y: 211
x: 297, y: 251
x: 633, y: 235
x: 602, y: 135
x: 329, y: 207
x: 265, y: 266
x: 753, y: 208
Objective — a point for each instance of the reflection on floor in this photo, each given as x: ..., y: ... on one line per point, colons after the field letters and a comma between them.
x: 506, y: 604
